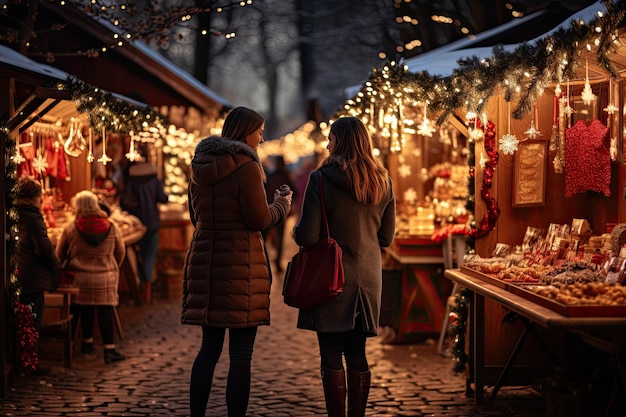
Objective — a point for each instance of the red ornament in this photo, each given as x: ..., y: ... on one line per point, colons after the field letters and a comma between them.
x: 489, y: 219
x: 27, y: 336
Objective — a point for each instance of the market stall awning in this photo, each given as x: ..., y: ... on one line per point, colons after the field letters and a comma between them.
x: 47, y: 104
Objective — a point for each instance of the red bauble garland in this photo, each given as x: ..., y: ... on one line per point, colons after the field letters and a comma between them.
x: 490, y: 217
x: 27, y: 336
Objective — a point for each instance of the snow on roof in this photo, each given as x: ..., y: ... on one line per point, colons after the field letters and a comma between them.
x: 184, y: 75
x: 442, y: 61
x: 12, y: 58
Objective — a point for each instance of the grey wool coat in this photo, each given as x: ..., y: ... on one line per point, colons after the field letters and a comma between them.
x: 226, y: 277
x: 361, y: 231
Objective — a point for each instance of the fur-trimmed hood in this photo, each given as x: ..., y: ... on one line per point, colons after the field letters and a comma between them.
x: 217, y: 157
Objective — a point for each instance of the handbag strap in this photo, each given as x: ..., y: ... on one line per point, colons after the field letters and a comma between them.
x: 323, y: 208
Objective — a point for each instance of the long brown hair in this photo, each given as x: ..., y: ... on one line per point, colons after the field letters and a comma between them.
x: 353, y: 153
x: 240, y: 122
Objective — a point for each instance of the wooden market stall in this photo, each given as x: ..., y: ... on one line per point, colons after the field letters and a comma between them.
x: 42, y: 136
x: 543, y: 123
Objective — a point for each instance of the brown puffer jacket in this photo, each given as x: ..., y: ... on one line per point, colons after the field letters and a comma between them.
x: 226, y: 281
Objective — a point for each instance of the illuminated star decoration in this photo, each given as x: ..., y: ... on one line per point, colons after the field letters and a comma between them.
x: 39, y: 163
x: 568, y: 109
x: 410, y: 196
x: 18, y: 158
x: 475, y: 134
x: 483, y: 160
x: 104, y: 159
x: 610, y: 109
x: 587, y: 94
x: 404, y: 170
x: 532, y: 132
x: 425, y: 128
x: 508, y: 142
x: 133, y: 155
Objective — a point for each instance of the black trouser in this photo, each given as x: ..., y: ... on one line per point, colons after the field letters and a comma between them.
x: 350, y: 344
x: 240, y: 347
x: 105, y: 322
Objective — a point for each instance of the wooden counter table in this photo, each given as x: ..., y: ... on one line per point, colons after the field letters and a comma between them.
x: 604, y: 333
x: 423, y: 289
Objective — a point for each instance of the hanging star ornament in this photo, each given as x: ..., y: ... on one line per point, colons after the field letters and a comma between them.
x: 104, y: 159
x: 410, y: 196
x: 475, y: 134
x: 483, y: 160
x: 18, y: 158
x: 40, y: 164
x: 404, y: 170
x: 508, y: 144
x: 610, y: 109
x: 532, y: 132
x: 425, y: 129
x: 587, y: 94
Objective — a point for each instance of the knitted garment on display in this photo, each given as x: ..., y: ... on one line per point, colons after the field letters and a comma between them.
x: 587, y: 158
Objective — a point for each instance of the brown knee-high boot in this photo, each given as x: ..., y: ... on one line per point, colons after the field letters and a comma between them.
x: 334, y: 383
x: 358, y: 391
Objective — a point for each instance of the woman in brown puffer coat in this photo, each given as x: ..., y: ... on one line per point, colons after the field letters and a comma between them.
x: 226, y: 279
x: 94, y: 250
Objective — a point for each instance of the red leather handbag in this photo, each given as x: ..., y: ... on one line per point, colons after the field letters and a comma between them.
x: 315, y: 274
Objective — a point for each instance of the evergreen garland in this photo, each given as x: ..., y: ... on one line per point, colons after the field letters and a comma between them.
x: 521, y: 73
x: 12, y: 217
x: 458, y: 329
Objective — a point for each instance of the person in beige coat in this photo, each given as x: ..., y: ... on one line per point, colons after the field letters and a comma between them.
x: 226, y: 278
x: 93, y: 249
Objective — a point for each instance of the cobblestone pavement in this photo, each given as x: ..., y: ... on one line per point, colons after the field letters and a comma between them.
x: 407, y: 380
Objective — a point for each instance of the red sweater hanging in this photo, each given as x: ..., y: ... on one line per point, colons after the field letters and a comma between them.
x: 587, y: 158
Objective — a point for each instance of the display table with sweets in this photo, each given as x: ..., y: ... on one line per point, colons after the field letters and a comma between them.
x: 602, y: 327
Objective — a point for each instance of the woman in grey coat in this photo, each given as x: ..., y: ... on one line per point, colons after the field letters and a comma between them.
x: 360, y: 207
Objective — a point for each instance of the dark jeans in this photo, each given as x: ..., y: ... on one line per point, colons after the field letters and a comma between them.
x: 105, y: 322
x: 351, y: 344
x: 240, y: 347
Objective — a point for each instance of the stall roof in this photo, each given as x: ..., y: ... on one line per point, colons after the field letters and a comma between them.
x: 416, y: 64
x: 140, y: 53
x: 46, y: 103
x: 442, y: 61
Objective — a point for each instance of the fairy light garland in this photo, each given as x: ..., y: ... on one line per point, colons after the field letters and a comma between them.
x: 521, y: 73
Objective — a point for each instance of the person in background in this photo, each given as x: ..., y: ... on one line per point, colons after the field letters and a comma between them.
x: 39, y: 269
x: 142, y: 193
x: 94, y: 250
x: 226, y: 277
x: 277, y: 175
x: 358, y: 196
